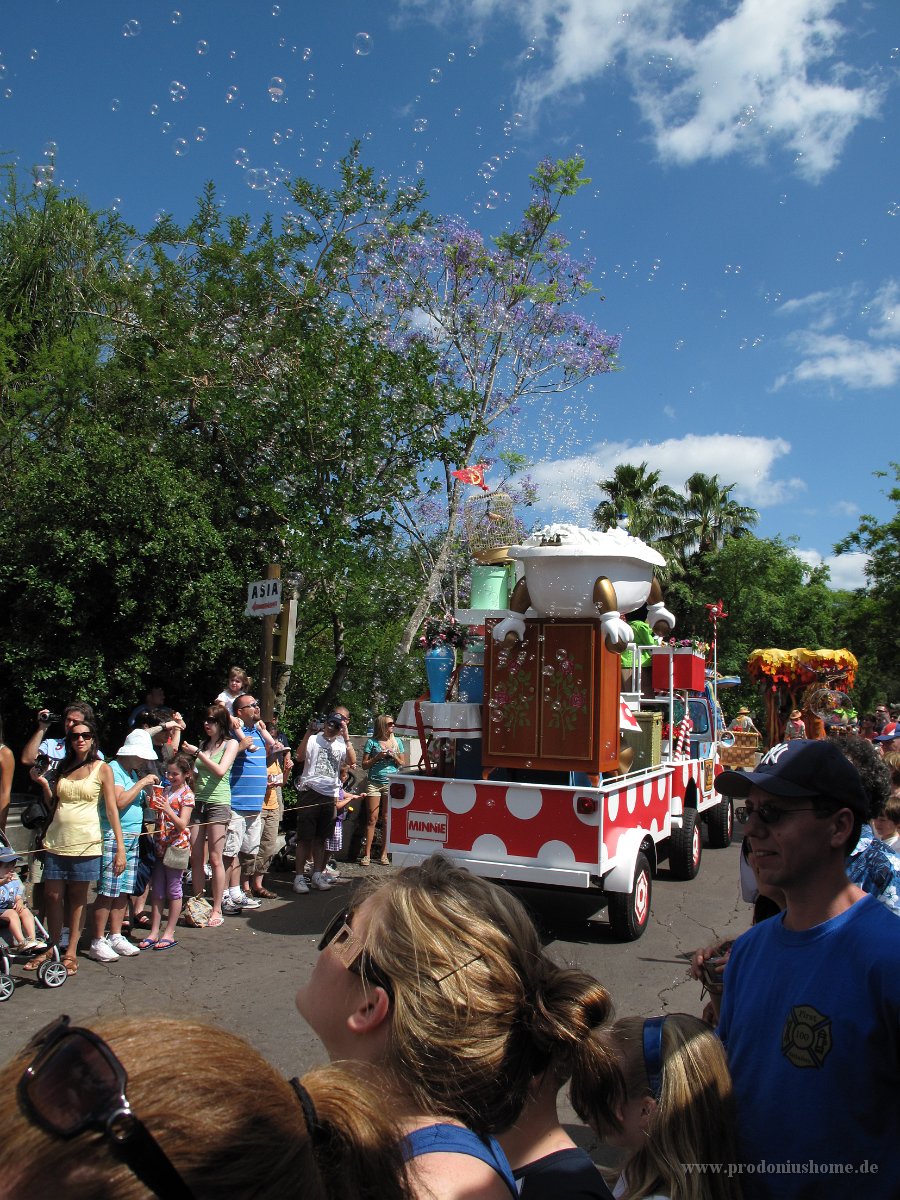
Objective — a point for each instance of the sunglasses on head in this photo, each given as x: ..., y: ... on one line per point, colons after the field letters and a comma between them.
x: 340, y: 937
x: 76, y: 1083
x: 771, y: 814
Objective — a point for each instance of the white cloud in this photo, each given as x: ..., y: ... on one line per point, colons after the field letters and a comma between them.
x: 758, y: 73
x: 847, y: 571
x: 862, y: 354
x: 568, y: 487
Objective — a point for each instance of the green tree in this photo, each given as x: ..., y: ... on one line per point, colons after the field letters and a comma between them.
x: 706, y: 516
x: 869, y: 616
x: 635, y: 492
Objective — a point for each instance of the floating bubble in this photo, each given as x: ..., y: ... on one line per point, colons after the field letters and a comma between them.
x: 457, y: 112
x: 2, y: 70
x: 311, y: 94
x: 436, y: 75
x: 893, y: 210
x: 782, y: 199
x: 200, y: 133
x: 472, y: 51
x: 277, y: 138
x: 131, y: 28
x: 232, y: 54
x: 529, y: 52
x: 276, y: 10
x: 7, y: 93
x: 276, y: 88
x: 288, y: 134
x: 32, y: 55
x: 114, y: 104
x: 175, y: 17
x: 420, y: 125
x: 231, y: 94
x: 154, y: 110
x: 202, y: 46
x: 451, y: 57
x: 492, y: 200
x: 42, y: 173
x: 177, y: 91
x: 116, y: 202
x: 307, y: 54
x: 241, y: 157
x: 166, y: 126
x: 180, y: 147
x: 50, y: 149
x: 257, y: 178
x: 362, y: 44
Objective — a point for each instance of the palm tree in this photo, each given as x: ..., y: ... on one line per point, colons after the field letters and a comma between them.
x: 651, y: 507
x: 707, y: 516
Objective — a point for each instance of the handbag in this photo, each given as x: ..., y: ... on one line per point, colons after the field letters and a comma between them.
x: 176, y: 858
x: 34, y: 815
x: 197, y: 911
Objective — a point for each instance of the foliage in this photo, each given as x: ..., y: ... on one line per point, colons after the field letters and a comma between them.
x: 634, y: 492
x: 442, y: 631
x: 869, y: 616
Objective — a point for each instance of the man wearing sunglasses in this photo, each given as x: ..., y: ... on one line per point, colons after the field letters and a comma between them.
x: 811, y: 1011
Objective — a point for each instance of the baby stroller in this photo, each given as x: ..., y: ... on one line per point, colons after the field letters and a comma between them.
x: 51, y: 974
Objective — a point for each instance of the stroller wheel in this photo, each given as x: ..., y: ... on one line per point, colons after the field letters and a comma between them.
x: 52, y: 974
x: 7, y: 986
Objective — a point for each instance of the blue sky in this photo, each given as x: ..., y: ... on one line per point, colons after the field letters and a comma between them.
x: 743, y: 213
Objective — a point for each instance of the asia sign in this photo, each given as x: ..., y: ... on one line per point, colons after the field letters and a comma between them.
x: 263, y: 598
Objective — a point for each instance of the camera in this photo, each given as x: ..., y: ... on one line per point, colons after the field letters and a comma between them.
x: 42, y: 762
x: 52, y: 718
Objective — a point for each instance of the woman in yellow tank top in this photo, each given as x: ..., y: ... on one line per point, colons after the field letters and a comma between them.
x: 73, y: 841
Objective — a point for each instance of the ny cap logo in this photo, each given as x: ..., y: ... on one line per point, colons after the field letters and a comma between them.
x: 773, y: 755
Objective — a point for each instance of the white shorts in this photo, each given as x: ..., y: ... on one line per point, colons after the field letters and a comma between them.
x: 243, y: 834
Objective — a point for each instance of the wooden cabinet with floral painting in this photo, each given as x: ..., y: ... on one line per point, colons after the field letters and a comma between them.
x: 551, y: 701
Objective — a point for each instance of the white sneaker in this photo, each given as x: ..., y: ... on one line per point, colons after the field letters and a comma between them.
x: 102, y: 951
x: 122, y: 946
x: 321, y: 882
x: 301, y: 887
x: 247, y: 901
x: 229, y: 908
x: 331, y: 873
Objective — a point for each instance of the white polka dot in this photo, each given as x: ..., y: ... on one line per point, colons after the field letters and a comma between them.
x: 524, y: 803
x: 459, y: 797
x: 489, y: 846
x: 654, y: 826
x: 685, y: 773
x: 555, y: 854
x: 647, y: 793
x: 661, y: 787
x: 612, y: 805
x: 630, y: 798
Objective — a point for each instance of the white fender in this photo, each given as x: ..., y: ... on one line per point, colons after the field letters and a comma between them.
x: 621, y: 877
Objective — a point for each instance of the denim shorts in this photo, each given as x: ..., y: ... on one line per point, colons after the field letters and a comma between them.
x: 72, y: 869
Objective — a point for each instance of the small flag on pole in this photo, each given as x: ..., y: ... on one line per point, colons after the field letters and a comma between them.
x: 473, y: 475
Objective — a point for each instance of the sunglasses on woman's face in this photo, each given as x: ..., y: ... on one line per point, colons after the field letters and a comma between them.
x: 76, y: 1083
x: 81, y: 735
x: 344, y: 942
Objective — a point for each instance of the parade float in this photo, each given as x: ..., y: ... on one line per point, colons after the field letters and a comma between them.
x: 544, y: 762
x: 814, y: 681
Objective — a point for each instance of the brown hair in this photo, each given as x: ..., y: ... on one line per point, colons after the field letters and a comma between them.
x: 479, y: 1009
x: 185, y: 765
x: 221, y: 1140
x: 220, y: 714
x: 694, y: 1120
x: 381, y: 731
x: 240, y: 673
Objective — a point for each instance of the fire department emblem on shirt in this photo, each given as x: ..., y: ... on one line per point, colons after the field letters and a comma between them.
x: 806, y: 1037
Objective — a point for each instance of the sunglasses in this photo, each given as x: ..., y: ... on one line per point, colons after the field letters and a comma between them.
x: 243, y: 706
x: 78, y: 735
x: 340, y: 937
x: 76, y: 1083
x: 770, y: 814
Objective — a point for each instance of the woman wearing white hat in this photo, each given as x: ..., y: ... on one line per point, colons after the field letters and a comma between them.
x: 113, y: 891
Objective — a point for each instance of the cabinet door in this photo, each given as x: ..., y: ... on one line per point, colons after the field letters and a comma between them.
x: 510, y: 719
x: 569, y: 674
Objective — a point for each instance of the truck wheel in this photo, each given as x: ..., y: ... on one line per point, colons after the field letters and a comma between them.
x: 686, y: 847
x: 720, y: 823
x: 629, y: 912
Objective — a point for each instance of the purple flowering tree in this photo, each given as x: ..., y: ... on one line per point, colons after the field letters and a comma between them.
x: 501, y: 318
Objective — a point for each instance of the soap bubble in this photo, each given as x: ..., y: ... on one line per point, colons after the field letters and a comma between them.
x: 114, y: 104
x: 176, y: 17
x: 277, y: 138
x: 131, y: 28
x: 200, y: 133
x: 202, y: 46
x: 307, y: 53
x: 529, y: 52
x: 420, y: 125
x: 258, y: 179
x: 492, y: 200
x: 362, y: 44
x: 180, y: 147
x: 2, y: 70
x: 276, y: 10
x: 154, y: 110
x: 241, y: 157
x: 472, y: 51
x: 436, y: 75
x: 232, y: 94
x: 451, y: 57
x: 166, y: 126
x: 177, y: 91
x: 276, y: 88
x: 42, y: 173
x: 32, y: 55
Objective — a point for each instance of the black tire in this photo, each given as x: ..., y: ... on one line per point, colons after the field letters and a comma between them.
x: 720, y: 823
x: 52, y: 973
x: 629, y: 912
x: 686, y: 847
x: 7, y: 986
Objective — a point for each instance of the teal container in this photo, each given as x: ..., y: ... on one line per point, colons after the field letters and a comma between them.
x: 490, y: 587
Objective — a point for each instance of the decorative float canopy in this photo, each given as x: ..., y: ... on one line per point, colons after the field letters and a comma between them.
x: 797, y: 668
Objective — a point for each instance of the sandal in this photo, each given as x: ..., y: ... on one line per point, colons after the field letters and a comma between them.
x: 71, y: 964
x: 141, y: 921
x: 38, y: 960
x: 215, y: 921
x: 384, y: 861
x: 365, y: 861
x: 165, y: 944
x: 265, y: 894
x: 147, y: 944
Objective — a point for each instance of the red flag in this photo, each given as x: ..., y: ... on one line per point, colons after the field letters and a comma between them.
x: 473, y: 475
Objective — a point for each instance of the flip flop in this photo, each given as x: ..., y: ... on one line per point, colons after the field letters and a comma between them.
x: 165, y: 944
x: 265, y: 894
x: 215, y: 921
x: 147, y: 944
x: 71, y: 964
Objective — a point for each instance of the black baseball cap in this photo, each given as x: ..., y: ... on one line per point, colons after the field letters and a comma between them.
x: 798, y: 770
x: 334, y: 719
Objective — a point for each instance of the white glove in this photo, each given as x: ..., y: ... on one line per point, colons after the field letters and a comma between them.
x: 615, y: 630
x: 659, y: 612
x: 512, y: 624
